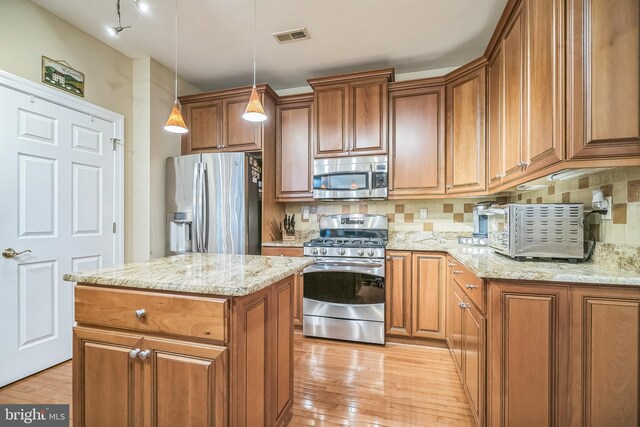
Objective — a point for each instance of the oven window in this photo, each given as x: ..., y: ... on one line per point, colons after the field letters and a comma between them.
x: 344, y: 287
x: 352, y: 181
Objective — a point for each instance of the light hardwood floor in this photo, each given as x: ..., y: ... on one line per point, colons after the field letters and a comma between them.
x: 336, y: 384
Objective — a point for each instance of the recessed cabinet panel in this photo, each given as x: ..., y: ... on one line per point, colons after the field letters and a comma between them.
x: 238, y: 133
x: 203, y: 121
x: 417, y: 142
x: 369, y: 116
x: 331, y: 105
x: 293, y: 151
x: 398, y: 294
x: 428, y: 295
x: 603, y: 72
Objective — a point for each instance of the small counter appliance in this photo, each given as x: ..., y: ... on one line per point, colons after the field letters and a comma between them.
x: 537, y: 230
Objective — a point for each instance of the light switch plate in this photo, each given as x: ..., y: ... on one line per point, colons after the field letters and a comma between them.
x: 305, y: 212
x: 423, y: 213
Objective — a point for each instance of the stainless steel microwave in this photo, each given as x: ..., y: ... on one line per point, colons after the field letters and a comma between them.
x: 358, y: 177
x: 548, y: 230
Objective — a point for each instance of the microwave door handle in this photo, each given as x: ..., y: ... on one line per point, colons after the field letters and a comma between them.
x: 370, y: 175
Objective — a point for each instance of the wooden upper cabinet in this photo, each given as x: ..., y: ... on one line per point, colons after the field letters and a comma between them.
x: 513, y: 87
x: 544, y: 90
x: 293, y: 148
x: 603, y: 79
x: 494, y: 119
x: 398, y: 294
x: 466, y: 149
x: 239, y: 134
x: 528, y: 355
x: 350, y: 114
x: 215, y: 122
x: 203, y: 119
x: 416, y: 138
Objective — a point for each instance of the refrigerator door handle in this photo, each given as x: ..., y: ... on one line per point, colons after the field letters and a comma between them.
x: 196, y: 210
x: 204, y: 182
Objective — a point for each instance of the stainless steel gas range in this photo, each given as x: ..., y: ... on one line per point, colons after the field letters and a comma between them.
x: 344, y: 289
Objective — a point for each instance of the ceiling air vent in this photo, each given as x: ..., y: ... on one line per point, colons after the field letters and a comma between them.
x: 292, y: 35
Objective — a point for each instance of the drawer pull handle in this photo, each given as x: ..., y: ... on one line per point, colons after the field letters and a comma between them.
x: 451, y: 265
x: 141, y: 313
x: 144, y: 354
x: 470, y: 286
x: 134, y: 353
x: 457, y: 271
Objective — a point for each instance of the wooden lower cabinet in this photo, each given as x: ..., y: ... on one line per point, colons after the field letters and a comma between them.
x: 528, y: 354
x: 605, y: 357
x: 398, y: 294
x: 177, y: 382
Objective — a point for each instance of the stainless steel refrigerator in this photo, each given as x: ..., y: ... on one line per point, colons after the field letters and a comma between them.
x: 214, y: 203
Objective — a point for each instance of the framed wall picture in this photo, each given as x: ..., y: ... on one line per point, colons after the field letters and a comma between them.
x: 60, y: 75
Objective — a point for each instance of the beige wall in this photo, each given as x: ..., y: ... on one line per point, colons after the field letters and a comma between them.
x: 27, y: 32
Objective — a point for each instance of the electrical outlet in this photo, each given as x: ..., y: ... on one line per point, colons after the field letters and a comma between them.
x: 609, y: 214
x: 423, y: 213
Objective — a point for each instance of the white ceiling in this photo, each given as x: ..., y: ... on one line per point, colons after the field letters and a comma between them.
x: 215, y: 36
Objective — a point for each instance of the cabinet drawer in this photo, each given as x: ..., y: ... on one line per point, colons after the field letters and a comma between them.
x: 282, y: 251
x: 473, y: 286
x: 189, y: 316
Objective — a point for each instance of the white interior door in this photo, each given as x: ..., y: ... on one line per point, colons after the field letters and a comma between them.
x: 57, y: 201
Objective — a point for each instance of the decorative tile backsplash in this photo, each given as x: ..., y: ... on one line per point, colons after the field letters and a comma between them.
x: 441, y: 214
x: 623, y: 184
x: 455, y: 215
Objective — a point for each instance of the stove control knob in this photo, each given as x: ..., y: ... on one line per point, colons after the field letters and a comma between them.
x: 314, y: 250
x: 323, y: 251
x: 370, y: 253
x: 341, y: 251
x: 360, y: 252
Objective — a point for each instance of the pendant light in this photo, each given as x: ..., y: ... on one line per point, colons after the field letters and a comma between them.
x: 175, y: 122
x: 254, y: 111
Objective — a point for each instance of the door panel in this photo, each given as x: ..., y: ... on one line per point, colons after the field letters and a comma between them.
x: 204, y: 120
x: 369, y: 117
x: 293, y: 151
x: 428, y: 295
x: 58, y: 166
x: 330, y: 133
x: 398, y: 294
x: 456, y: 303
x: 239, y: 134
x: 474, y: 359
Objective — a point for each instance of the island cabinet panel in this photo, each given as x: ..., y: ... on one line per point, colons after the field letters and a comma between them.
x: 102, y: 368
x: 474, y: 356
x: 605, y: 346
x: 298, y: 284
x: 398, y: 294
x: 350, y: 114
x: 283, y: 372
x: 428, y: 295
x: 203, y: 120
x: 160, y: 312
x: 294, y: 148
x: 603, y: 78
x: 416, y: 140
x: 239, y: 134
x: 465, y: 104
x: 528, y: 349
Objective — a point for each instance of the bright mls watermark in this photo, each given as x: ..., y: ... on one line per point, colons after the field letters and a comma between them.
x: 34, y: 415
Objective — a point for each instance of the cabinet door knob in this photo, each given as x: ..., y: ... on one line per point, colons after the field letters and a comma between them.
x: 448, y: 187
x: 134, y: 353
x: 470, y: 286
x: 461, y: 305
x: 388, y: 258
x: 141, y: 313
x: 144, y: 354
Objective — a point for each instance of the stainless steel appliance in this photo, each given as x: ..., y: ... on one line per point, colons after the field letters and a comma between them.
x: 537, y: 230
x: 343, y: 295
x: 479, y: 220
x: 213, y: 203
x: 358, y: 177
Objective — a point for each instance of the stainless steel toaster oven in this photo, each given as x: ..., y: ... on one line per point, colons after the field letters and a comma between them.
x: 550, y: 230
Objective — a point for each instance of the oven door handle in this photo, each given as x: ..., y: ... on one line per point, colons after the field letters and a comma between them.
x: 373, y: 269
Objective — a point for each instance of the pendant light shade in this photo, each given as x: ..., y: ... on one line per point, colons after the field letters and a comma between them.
x: 254, y: 111
x: 175, y: 122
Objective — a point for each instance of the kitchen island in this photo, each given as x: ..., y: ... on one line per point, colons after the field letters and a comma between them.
x: 197, y: 339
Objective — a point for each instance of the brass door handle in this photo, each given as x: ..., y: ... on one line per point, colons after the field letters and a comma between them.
x: 10, y: 252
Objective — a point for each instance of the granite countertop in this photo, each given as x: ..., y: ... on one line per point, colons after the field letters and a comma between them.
x: 485, y: 263
x: 297, y: 243
x: 213, y: 274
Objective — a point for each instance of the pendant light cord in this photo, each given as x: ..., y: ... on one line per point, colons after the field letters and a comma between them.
x: 176, y: 59
x: 118, y: 11
x: 255, y: 25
